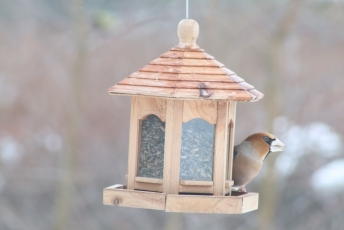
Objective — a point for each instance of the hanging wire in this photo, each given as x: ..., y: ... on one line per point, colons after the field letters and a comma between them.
x: 187, y: 9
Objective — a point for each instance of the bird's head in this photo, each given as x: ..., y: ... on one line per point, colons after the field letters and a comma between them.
x: 264, y: 143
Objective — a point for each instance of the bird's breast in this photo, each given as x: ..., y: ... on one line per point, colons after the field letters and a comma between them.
x: 245, y: 169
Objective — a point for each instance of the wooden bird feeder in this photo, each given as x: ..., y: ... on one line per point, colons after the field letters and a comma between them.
x: 182, y: 132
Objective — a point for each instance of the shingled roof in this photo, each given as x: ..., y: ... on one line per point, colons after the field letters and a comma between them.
x: 187, y: 72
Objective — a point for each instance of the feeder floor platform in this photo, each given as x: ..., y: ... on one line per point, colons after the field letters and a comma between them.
x: 118, y: 195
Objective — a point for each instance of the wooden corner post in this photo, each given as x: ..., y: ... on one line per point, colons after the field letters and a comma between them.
x: 173, y: 139
x: 220, y: 153
x: 231, y: 115
x: 134, y: 143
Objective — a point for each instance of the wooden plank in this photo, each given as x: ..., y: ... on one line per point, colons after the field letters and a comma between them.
x: 152, y: 105
x: 167, y: 61
x: 229, y: 183
x: 236, y: 78
x: 245, y: 85
x: 221, y: 78
x: 149, y: 82
x: 195, y: 189
x: 182, y: 69
x: 256, y: 93
x: 186, y: 62
x: 203, y: 204
x: 141, y: 90
x: 227, y: 191
x: 174, y: 119
x: 204, y: 77
x: 232, y: 118
x: 186, y: 49
x: 250, y: 202
x: 189, y: 94
x: 196, y: 183
x: 220, y: 149
x: 156, y: 76
x: 173, y: 54
x: 197, y: 55
x: 200, y: 70
x: 134, y: 145
x: 187, y: 84
x: 186, y: 55
x: 161, y: 69
x: 135, y: 199
x: 207, y: 110
x: 229, y: 72
x: 148, y: 180
x: 148, y: 187
x: 237, y: 95
x: 219, y: 64
x: 201, y: 63
x: 212, y: 204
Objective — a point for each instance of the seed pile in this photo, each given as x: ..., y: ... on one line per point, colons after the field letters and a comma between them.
x: 196, y: 161
x: 151, y: 163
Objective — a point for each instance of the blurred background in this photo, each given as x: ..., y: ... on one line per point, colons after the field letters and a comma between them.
x: 63, y: 138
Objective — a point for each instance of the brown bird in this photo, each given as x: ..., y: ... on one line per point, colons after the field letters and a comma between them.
x: 248, y: 157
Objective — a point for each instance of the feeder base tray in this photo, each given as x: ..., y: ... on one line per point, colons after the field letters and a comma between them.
x: 118, y: 195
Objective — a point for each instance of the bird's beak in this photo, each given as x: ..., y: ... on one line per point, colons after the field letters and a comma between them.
x: 277, y: 146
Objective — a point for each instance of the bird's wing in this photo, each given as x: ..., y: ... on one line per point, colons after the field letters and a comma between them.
x: 235, y: 152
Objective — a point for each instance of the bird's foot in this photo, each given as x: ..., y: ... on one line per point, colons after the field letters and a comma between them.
x: 242, y: 190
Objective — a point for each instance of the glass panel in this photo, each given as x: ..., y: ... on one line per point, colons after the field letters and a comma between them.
x: 151, y: 162
x: 197, y: 154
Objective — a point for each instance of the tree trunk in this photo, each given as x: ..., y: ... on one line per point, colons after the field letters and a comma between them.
x: 268, y: 191
x: 66, y: 185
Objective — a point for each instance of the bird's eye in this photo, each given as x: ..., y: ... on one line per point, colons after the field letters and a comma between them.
x: 266, y: 138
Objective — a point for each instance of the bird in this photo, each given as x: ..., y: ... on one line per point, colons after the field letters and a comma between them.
x: 249, y: 156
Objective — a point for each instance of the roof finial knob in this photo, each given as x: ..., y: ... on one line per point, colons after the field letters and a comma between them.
x: 188, y: 30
